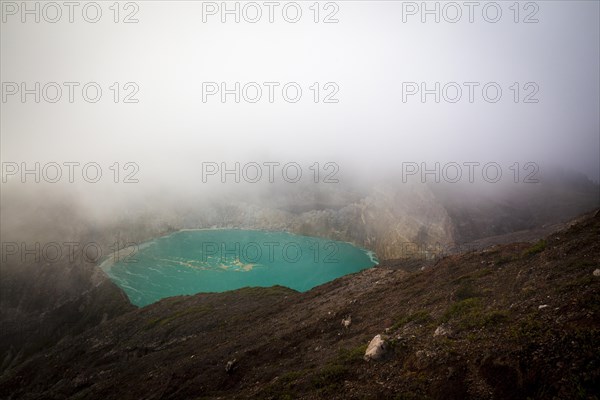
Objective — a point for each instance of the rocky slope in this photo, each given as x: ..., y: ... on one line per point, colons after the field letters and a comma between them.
x: 41, y: 304
x: 510, y: 321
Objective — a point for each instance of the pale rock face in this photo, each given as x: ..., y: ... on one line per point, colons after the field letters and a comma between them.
x: 377, y: 348
x: 597, y: 272
x: 402, y: 222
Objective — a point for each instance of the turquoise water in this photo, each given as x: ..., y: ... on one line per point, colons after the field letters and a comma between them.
x: 217, y: 260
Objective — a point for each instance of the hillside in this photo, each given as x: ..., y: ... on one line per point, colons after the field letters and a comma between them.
x: 511, y: 321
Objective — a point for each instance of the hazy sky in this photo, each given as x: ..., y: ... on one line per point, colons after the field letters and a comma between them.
x: 367, y: 55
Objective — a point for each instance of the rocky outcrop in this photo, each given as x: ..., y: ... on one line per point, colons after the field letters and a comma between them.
x: 405, y: 222
x: 42, y: 304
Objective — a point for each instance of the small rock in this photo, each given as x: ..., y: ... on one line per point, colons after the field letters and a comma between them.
x: 441, y: 331
x: 597, y: 272
x: 542, y: 306
x: 346, y: 321
x: 230, y: 366
x: 377, y: 348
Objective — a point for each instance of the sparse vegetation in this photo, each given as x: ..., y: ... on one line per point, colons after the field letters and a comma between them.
x: 528, y: 328
x: 467, y: 290
x: 419, y: 317
x: 284, y: 387
x: 470, y: 313
x: 348, y: 356
x: 495, y: 317
x: 505, y: 259
x: 535, y: 249
x: 330, y: 377
x: 462, y: 309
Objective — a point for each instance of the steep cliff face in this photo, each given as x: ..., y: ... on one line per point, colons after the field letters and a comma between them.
x: 395, y: 223
x: 408, y: 220
x: 42, y: 303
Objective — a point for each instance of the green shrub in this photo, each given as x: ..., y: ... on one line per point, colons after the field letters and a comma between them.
x: 469, y: 313
x: 330, y: 377
x: 348, y: 356
x: 462, y: 308
x: 535, y: 249
x: 466, y: 291
x: 419, y: 317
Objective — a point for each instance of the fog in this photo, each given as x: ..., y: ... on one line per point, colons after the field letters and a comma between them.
x: 169, y: 127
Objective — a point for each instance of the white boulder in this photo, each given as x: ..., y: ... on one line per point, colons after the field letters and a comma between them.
x: 377, y: 348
